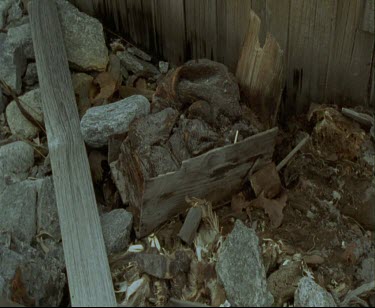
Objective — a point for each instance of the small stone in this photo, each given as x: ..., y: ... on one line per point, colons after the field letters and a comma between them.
x: 136, y: 65
x: 153, y: 129
x: 139, y: 53
x: 116, y: 226
x: 283, y: 282
x: 240, y: 269
x: 310, y: 294
x: 4, y: 9
x: 31, y: 76
x: 82, y: 84
x: 16, y: 159
x: 17, y: 122
x: 366, y: 272
x: 15, y: 12
x: 20, y: 37
x: 48, y: 218
x: 42, y: 276
x: 163, y: 67
x: 83, y: 37
x: 2, y: 101
x: 99, y: 123
x: 313, y: 260
x: 18, y: 210
x: 12, y: 66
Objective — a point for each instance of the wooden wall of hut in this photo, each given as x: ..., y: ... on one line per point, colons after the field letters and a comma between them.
x: 328, y: 44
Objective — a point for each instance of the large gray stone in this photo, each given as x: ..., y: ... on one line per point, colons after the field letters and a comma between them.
x: 42, y: 276
x: 18, y: 124
x: 18, y: 210
x: 48, y: 218
x: 83, y: 37
x: 116, y: 226
x: 136, y: 65
x: 240, y: 269
x: 310, y: 294
x: 99, y: 123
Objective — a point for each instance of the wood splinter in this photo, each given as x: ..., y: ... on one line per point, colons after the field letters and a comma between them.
x: 190, y: 226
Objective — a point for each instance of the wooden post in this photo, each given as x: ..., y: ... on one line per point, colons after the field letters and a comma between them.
x: 86, y: 260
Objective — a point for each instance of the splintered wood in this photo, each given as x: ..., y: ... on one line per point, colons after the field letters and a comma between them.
x: 260, y: 73
x: 215, y: 175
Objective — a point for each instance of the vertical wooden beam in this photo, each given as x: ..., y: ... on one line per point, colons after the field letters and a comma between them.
x: 86, y: 260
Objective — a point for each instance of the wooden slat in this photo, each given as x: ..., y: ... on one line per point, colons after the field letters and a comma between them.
x: 87, y: 266
x: 215, y: 176
x: 260, y: 73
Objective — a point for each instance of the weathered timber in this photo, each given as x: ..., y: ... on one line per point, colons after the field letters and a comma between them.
x: 214, y: 175
x: 359, y: 117
x: 86, y: 260
x: 299, y: 146
x: 260, y: 73
x: 190, y: 226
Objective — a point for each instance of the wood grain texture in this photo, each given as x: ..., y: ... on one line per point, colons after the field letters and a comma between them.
x: 327, y: 44
x: 214, y: 176
x: 86, y: 260
x: 260, y: 73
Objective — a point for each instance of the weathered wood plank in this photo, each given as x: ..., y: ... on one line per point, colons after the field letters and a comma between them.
x: 86, y: 260
x: 260, y: 73
x: 361, y: 118
x: 214, y: 176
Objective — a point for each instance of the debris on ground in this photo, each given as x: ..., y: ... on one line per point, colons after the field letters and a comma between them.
x: 289, y: 221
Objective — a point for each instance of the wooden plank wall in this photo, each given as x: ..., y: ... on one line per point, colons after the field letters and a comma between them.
x: 328, y: 44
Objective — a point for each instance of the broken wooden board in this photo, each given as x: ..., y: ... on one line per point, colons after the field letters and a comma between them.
x: 260, y: 73
x: 215, y: 176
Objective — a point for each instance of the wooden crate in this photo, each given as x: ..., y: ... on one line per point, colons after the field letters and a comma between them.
x: 215, y: 176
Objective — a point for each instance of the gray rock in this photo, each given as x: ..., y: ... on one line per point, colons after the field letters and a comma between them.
x: 20, y: 37
x: 163, y: 67
x: 139, y: 53
x: 136, y: 65
x: 99, y: 123
x: 48, y: 218
x: 18, y: 124
x: 366, y: 272
x: 15, y: 12
x: 2, y: 101
x: 42, y: 276
x: 310, y: 294
x: 12, y: 66
x: 83, y: 37
x: 31, y: 76
x: 82, y: 84
x: 5, y: 239
x: 18, y: 210
x: 16, y: 159
x: 2, y: 286
x: 240, y: 269
x: 116, y: 226
x: 4, y: 9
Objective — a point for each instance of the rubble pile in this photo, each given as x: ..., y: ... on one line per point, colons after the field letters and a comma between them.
x: 300, y: 231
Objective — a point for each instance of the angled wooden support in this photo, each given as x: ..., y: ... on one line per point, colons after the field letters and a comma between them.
x: 86, y: 260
